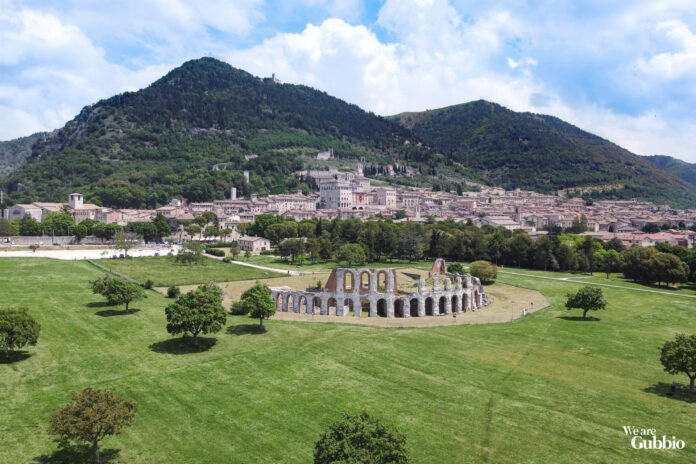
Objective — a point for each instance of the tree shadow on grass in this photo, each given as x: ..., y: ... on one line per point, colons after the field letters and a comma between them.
x: 183, y: 345
x: 116, y: 312
x: 98, y: 304
x: 579, y: 318
x: 245, y: 329
x: 681, y: 394
x: 14, y: 356
x: 76, y: 454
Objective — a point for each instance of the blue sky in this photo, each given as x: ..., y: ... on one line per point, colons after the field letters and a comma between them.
x: 623, y: 70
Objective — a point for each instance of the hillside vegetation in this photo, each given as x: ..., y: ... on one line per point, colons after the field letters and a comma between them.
x: 679, y: 168
x: 542, y: 153
x: 139, y: 149
x: 14, y: 153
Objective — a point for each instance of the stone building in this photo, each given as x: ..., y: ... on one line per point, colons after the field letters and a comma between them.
x: 354, y: 290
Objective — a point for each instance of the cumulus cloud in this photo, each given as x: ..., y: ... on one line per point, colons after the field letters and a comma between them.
x: 624, y: 71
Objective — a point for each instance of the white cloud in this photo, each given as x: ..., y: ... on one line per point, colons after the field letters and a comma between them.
x: 674, y: 65
x: 52, y: 71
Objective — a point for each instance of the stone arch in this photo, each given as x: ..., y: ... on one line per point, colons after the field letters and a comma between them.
x: 347, y: 306
x: 465, y: 302
x: 316, y: 305
x: 365, y: 281
x: 382, y: 307
x: 348, y: 282
x: 454, y: 303
x: 475, y: 302
x: 332, y: 306
x: 302, y: 306
x: 441, y: 305
x: 365, y: 306
x: 399, y: 308
x: 382, y: 281
x: 279, y: 302
x: 413, y: 307
x: 290, y: 303
x: 429, y: 306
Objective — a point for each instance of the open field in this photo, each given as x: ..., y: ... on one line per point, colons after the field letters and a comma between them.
x: 279, y: 263
x: 546, y: 388
x: 164, y: 272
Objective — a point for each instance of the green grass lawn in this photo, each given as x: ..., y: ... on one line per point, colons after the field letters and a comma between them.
x: 280, y: 263
x: 545, y: 389
x: 163, y: 271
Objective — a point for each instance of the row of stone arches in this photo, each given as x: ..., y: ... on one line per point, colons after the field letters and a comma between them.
x: 402, y: 307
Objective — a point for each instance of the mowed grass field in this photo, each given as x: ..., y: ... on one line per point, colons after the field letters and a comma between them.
x: 544, y: 389
x: 163, y: 271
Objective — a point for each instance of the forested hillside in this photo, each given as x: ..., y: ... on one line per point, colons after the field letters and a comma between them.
x: 542, y: 153
x: 139, y: 149
x: 679, y: 168
x: 13, y: 153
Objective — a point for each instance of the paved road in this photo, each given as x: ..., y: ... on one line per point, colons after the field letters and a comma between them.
x: 72, y: 255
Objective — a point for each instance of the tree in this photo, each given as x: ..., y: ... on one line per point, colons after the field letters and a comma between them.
x: 163, y: 229
x: 615, y: 244
x: 351, y: 253
x: 33, y: 247
x: 234, y: 250
x: 679, y: 355
x: 257, y: 302
x: 587, y: 298
x: 118, y: 291
x: 455, y: 268
x: 360, y: 438
x: 125, y: 241
x: 17, y: 329
x: 6, y: 229
x: 190, y: 253
x: 485, y: 271
x: 193, y: 230
x: 198, y: 311
x: 607, y: 260
x: 91, y: 416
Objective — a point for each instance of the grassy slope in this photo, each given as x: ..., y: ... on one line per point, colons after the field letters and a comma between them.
x: 163, y: 272
x: 544, y: 389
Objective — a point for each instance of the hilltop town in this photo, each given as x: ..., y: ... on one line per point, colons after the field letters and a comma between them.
x: 350, y: 194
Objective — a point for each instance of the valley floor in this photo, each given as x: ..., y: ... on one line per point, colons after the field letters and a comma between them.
x: 545, y: 388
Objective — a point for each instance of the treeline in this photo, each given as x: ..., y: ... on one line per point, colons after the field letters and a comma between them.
x: 384, y: 240
x: 63, y: 224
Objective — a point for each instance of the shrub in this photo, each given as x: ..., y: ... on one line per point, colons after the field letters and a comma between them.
x: 148, y: 284
x: 238, y: 308
x: 267, y: 253
x: 227, y: 259
x: 173, y: 292
x: 215, y: 252
x: 484, y: 270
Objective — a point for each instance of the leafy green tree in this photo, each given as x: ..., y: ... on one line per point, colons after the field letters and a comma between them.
x: 667, y: 268
x: 17, y: 329
x: 352, y: 253
x: 125, y: 241
x: 456, y: 268
x: 6, y: 229
x: 607, y: 260
x: 29, y: 226
x: 198, y: 311
x: 257, y: 302
x: 118, y: 291
x: 193, y: 229
x: 173, y: 292
x: 234, y: 250
x: 411, y: 243
x: 487, y: 272
x: 190, y: 253
x: 615, y: 244
x: 651, y: 228
x: 79, y: 231
x: 361, y: 438
x: 91, y: 416
x: 58, y: 223
x: 588, y: 298
x: 679, y: 356
x: 163, y: 229
x: 518, y: 247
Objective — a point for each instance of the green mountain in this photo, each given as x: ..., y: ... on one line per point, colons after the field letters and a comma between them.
x: 543, y: 153
x: 14, y: 153
x: 679, y: 168
x: 193, y: 132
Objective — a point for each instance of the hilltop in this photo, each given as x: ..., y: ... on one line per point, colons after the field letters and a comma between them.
x: 139, y: 149
x: 542, y: 153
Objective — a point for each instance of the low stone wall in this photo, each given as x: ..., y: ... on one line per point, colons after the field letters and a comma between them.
x: 47, y: 240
